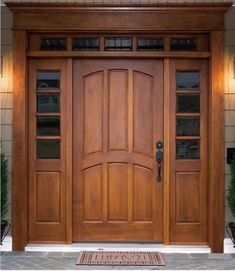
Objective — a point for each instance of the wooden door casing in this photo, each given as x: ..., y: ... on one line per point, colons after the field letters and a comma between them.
x: 117, y: 118
x: 188, y: 182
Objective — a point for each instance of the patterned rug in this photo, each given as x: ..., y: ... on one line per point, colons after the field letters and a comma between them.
x: 119, y: 258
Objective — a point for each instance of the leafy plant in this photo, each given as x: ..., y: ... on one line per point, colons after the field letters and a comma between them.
x: 231, y: 189
x: 4, y: 188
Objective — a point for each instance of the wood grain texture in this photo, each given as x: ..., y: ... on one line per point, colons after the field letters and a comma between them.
x: 19, y: 195
x: 216, y: 151
x: 128, y: 20
x: 121, y: 198
x: 189, y: 177
x: 47, y: 178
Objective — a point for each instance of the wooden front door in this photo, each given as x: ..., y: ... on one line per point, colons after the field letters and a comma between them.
x: 117, y: 119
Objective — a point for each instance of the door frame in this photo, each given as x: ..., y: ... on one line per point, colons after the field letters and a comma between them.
x: 200, y: 17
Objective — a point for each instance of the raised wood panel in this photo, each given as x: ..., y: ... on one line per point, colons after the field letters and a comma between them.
x: 93, y: 91
x: 187, y: 197
x: 47, y: 178
x: 48, y: 196
x: 143, y: 194
x: 92, y: 194
x: 189, y: 177
x: 130, y: 201
x: 118, y: 102
x: 118, y: 192
x: 143, y: 113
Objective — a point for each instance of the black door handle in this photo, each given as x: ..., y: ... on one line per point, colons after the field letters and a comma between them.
x: 159, y: 159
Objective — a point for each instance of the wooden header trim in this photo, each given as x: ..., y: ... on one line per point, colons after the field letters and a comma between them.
x: 75, y: 7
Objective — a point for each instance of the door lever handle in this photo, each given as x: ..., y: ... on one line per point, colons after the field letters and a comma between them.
x: 159, y: 159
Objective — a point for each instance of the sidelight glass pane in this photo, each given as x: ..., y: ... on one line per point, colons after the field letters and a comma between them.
x: 183, y: 44
x: 187, y: 103
x: 48, y: 126
x: 187, y: 126
x: 48, y: 79
x: 86, y: 44
x: 48, y: 103
x: 53, y: 44
x: 188, y: 80
x: 48, y: 149
x: 187, y: 149
x: 118, y: 44
x: 150, y: 44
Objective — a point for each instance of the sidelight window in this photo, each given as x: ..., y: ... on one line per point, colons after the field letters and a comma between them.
x: 48, y: 126
x: 187, y: 114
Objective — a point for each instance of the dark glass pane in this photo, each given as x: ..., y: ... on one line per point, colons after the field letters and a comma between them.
x: 53, y: 44
x: 150, y: 44
x: 48, y: 126
x: 118, y: 44
x: 86, y: 44
x: 181, y: 44
x: 48, y: 149
x: 187, y: 103
x: 47, y: 103
x: 48, y: 79
x: 187, y: 149
x: 187, y: 79
x: 188, y: 126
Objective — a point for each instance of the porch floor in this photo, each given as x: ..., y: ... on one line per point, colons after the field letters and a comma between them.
x: 54, y: 257
x: 66, y: 261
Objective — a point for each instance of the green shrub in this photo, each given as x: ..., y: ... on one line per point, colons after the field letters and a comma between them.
x: 231, y: 189
x: 4, y: 187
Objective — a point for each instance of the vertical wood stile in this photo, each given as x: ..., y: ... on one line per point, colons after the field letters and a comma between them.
x: 130, y: 144
x: 166, y: 189
x: 19, y: 195
x: 69, y: 188
x: 216, y: 137
x: 105, y: 143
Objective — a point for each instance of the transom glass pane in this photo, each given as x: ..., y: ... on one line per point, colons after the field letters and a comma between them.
x: 48, y: 79
x: 118, y: 44
x: 48, y: 149
x: 187, y: 149
x: 48, y: 102
x: 187, y: 103
x: 150, y: 44
x: 188, y: 126
x: 53, y: 44
x: 183, y: 44
x: 188, y: 80
x: 86, y: 44
x: 48, y: 126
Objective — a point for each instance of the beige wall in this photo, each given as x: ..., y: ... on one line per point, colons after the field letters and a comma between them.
x: 6, y: 89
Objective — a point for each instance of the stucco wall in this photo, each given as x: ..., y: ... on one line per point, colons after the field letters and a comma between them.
x: 6, y: 90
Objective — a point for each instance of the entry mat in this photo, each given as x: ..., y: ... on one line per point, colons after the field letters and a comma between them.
x: 120, y: 258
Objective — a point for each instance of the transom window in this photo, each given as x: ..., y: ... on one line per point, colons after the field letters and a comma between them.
x: 94, y: 42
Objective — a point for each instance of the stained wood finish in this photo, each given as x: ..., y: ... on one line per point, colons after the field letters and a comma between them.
x: 19, y: 195
x: 216, y: 151
x: 188, y: 187
x: 47, y: 180
x: 201, y: 18
x: 117, y: 118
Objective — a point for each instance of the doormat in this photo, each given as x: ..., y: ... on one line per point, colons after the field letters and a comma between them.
x: 119, y: 258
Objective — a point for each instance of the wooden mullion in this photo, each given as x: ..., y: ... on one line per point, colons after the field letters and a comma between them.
x: 187, y: 114
x: 188, y: 137
x: 48, y: 137
x: 48, y: 114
